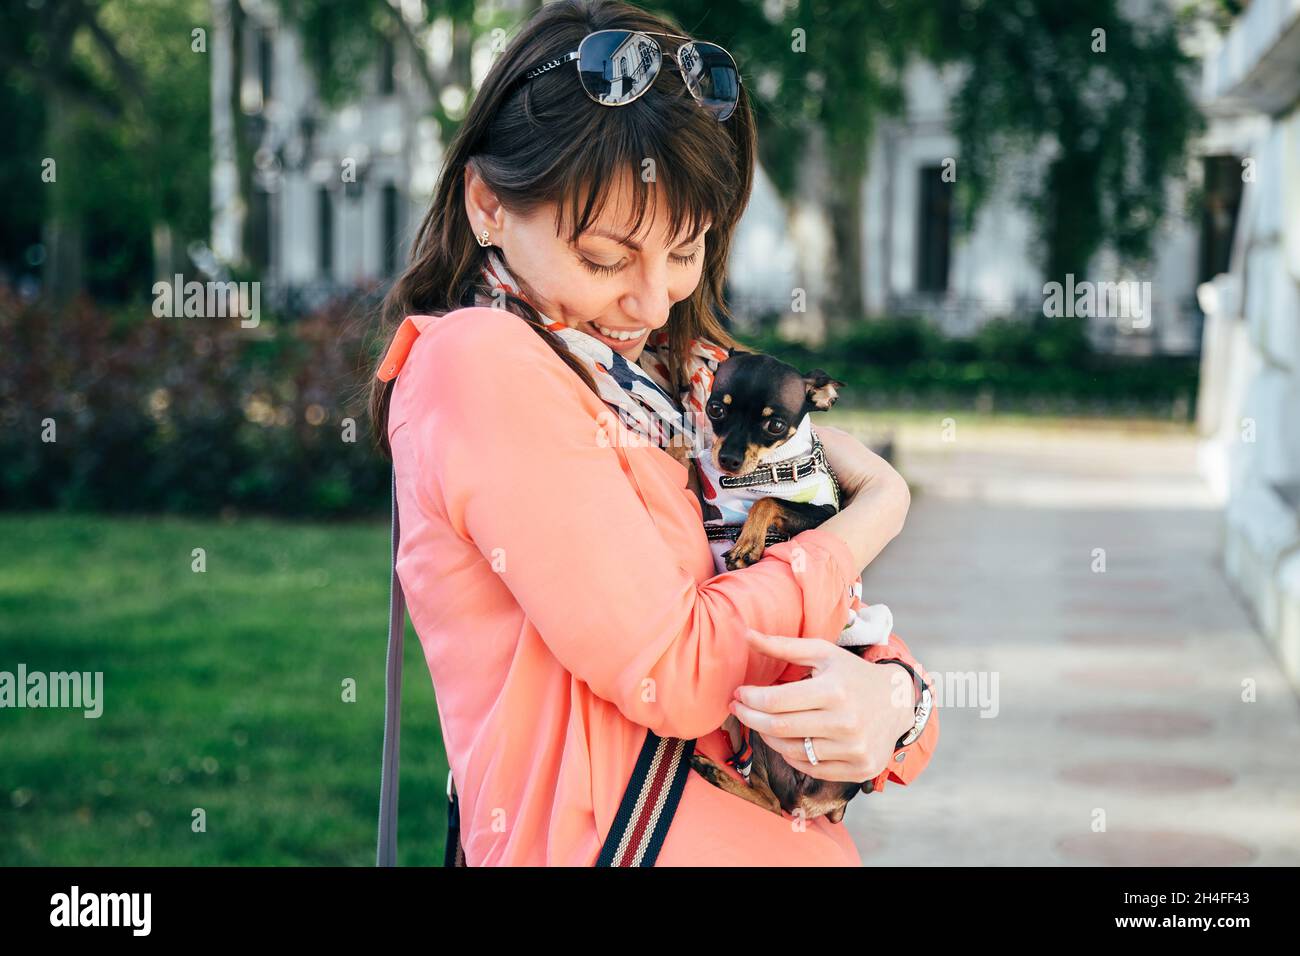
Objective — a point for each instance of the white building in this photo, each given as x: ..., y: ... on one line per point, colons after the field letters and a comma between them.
x: 918, y: 263
x: 1249, y: 411
x: 335, y: 194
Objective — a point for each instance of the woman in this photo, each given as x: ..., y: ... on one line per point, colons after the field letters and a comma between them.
x: 555, y: 565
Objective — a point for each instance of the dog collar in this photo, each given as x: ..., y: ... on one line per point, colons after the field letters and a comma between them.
x: 790, y: 470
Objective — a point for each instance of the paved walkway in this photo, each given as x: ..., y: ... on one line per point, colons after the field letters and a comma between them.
x: 1088, y: 717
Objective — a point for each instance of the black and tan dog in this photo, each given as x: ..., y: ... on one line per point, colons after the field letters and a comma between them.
x: 761, y: 447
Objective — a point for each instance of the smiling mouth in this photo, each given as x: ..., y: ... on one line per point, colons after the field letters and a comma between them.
x: 617, y: 336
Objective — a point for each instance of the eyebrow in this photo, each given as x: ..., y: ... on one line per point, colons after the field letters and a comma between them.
x: 626, y: 242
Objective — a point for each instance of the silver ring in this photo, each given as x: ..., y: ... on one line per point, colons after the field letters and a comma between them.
x: 808, y: 749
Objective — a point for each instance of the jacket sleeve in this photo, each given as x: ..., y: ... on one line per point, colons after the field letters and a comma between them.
x: 509, y: 441
x: 916, y: 755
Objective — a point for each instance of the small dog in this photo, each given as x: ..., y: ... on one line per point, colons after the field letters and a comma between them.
x: 764, y: 478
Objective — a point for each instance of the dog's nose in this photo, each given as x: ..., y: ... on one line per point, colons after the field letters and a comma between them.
x: 730, y: 461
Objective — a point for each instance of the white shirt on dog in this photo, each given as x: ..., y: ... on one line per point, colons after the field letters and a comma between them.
x: 866, y: 624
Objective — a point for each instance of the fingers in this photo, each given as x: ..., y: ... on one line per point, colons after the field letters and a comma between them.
x: 785, y: 733
x: 797, y: 695
x: 797, y: 723
x: 808, y: 651
x: 833, y: 742
x: 826, y: 768
x: 836, y: 760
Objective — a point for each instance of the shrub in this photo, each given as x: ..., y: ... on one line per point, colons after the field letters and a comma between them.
x: 1040, y: 364
x: 193, y: 415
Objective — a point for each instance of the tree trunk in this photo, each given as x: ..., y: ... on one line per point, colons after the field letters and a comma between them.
x: 807, y: 230
x: 229, y: 188
x: 163, y: 240
x: 61, y: 232
x: 844, y: 205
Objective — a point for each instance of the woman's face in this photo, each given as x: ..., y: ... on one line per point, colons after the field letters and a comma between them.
x: 598, y: 284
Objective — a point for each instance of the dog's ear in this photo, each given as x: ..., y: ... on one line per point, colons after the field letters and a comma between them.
x: 822, y: 390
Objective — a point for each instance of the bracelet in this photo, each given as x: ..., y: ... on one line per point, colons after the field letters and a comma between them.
x: 923, y: 705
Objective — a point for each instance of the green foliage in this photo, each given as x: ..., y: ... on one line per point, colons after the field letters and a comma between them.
x: 1112, y: 124
x: 114, y: 94
x: 340, y: 40
x: 808, y: 65
x: 19, y: 170
x: 192, y: 415
x: 1040, y: 365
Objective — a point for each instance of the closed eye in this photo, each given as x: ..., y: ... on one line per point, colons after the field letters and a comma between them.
x: 597, y: 268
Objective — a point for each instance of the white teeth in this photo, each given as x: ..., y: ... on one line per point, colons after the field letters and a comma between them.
x: 620, y: 336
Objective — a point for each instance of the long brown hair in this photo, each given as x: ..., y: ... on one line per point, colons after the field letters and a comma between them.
x: 545, y: 142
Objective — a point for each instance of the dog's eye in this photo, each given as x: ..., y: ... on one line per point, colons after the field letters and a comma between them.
x: 716, y: 410
x: 774, y: 427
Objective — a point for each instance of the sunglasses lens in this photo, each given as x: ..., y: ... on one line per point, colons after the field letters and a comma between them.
x: 616, y: 66
x: 711, y: 76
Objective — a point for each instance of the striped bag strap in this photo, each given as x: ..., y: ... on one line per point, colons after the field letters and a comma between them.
x: 649, y: 802
x: 643, y: 817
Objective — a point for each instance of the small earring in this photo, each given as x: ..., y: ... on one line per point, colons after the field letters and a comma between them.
x: 483, y: 239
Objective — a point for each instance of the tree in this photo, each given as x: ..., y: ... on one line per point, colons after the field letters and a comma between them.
x: 343, y: 36
x: 1105, y: 97
x: 120, y: 111
x: 820, y: 73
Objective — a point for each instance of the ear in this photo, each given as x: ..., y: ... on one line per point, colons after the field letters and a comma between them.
x: 822, y: 390
x: 482, y: 207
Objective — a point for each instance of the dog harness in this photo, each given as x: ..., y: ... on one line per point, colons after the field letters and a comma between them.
x: 796, y: 471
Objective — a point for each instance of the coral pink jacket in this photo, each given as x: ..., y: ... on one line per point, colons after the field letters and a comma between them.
x: 564, y: 593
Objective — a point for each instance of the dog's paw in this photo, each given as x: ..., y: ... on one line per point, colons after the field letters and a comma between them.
x: 707, y: 769
x: 742, y: 555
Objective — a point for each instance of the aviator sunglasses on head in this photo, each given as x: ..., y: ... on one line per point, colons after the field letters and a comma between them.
x: 616, y: 66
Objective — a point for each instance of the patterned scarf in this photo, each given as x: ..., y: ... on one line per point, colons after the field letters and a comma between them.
x: 638, y: 391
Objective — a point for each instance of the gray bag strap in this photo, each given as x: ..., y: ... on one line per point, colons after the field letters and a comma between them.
x: 388, y: 780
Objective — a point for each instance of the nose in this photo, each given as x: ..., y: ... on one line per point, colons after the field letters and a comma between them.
x: 648, y: 302
x: 730, y: 461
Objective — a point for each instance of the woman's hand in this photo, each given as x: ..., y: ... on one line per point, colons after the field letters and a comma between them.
x: 854, y: 710
x: 878, y: 497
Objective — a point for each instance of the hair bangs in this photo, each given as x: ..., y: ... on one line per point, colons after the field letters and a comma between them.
x: 692, y: 169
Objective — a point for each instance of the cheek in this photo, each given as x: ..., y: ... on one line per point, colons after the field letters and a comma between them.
x: 581, y: 294
x: 685, y: 282
x: 561, y: 281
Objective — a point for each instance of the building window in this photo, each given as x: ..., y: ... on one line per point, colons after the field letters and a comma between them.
x: 265, y: 63
x: 325, y: 233
x: 387, y: 62
x: 259, y: 230
x: 391, y: 229
x: 934, y: 231
x: 1219, y: 207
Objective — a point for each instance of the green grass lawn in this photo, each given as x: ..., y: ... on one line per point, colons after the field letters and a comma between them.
x: 222, y: 690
